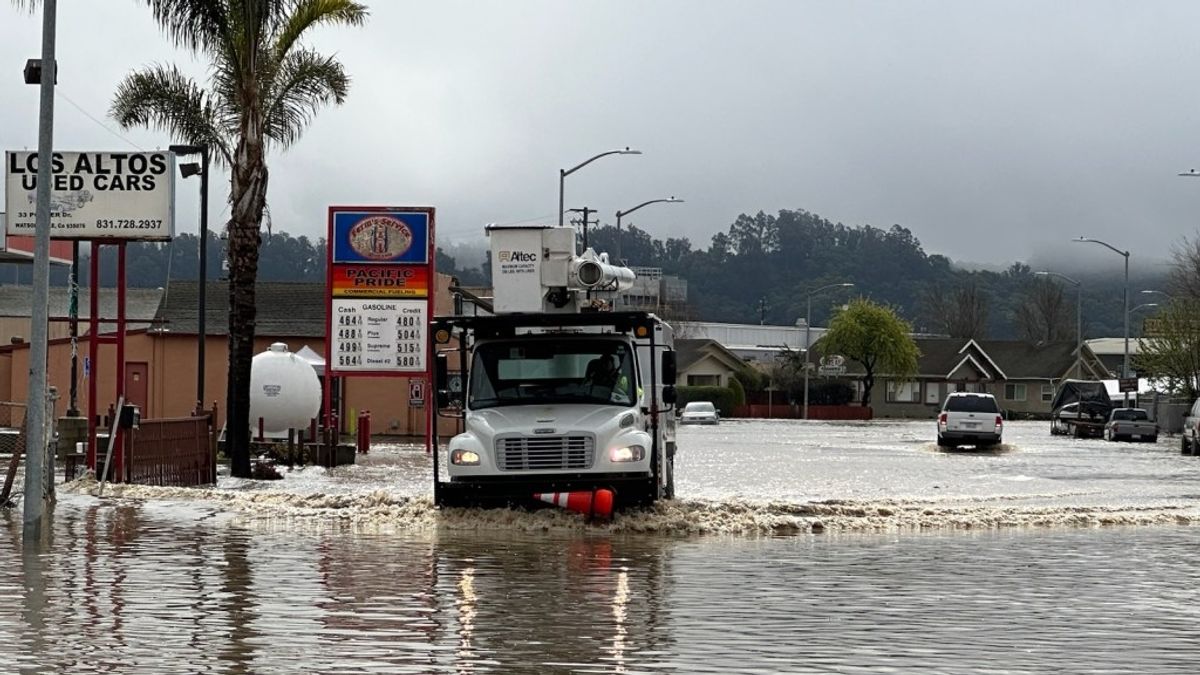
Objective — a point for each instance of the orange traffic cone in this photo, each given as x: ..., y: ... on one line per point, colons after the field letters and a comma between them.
x: 598, y: 504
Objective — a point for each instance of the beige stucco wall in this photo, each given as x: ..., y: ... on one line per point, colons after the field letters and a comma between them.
x: 172, y: 370
x: 705, y: 366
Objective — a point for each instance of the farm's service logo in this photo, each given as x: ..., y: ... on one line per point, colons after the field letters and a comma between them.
x: 381, y: 238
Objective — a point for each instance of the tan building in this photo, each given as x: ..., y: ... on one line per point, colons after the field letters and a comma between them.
x: 161, y: 364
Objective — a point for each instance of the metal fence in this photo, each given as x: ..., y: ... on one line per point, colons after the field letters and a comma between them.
x: 12, y: 442
x: 175, y: 452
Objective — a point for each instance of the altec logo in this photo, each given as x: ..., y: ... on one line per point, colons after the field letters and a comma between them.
x: 517, y: 256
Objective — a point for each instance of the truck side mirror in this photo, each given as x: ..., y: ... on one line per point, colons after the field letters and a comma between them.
x: 670, y: 396
x: 669, y: 373
x: 441, y: 377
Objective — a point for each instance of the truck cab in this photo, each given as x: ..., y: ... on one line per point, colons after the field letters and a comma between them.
x: 554, y: 400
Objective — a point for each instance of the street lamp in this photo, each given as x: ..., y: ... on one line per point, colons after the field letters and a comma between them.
x: 187, y: 170
x: 622, y: 214
x: 563, y: 173
x: 807, y: 339
x: 1124, y: 254
x: 1078, y: 317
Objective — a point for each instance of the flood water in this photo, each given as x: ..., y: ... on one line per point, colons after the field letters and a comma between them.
x: 794, y: 548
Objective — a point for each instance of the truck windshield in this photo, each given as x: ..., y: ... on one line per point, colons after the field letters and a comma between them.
x: 552, y: 371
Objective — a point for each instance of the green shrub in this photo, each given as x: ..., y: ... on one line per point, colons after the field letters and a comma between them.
x: 724, y: 398
x: 739, y: 393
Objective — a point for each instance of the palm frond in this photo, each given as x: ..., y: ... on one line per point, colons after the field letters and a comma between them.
x: 198, y: 25
x: 307, y: 14
x: 305, y: 82
x: 165, y: 98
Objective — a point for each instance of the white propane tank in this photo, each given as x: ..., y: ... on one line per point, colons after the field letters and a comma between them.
x: 284, y: 391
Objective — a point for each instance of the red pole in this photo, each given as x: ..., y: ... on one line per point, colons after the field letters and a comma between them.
x: 93, y: 351
x: 119, y: 461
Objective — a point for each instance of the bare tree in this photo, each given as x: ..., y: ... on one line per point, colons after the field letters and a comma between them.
x: 1185, y: 275
x: 1044, y: 314
x: 962, y: 313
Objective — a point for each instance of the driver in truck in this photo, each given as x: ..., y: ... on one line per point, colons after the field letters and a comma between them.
x: 604, y: 377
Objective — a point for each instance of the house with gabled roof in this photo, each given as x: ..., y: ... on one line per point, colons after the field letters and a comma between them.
x: 705, y: 362
x: 1022, y: 376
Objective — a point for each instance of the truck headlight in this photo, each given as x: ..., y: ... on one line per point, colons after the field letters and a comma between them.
x: 464, y: 457
x: 633, y: 453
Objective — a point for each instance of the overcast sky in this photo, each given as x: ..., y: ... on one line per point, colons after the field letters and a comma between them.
x: 995, y: 131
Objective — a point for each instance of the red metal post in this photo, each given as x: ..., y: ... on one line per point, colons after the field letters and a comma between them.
x: 119, y: 461
x: 93, y: 351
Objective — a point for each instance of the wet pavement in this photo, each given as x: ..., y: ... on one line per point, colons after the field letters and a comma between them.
x: 818, y: 547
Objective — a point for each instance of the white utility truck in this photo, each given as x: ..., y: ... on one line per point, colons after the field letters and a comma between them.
x: 555, y: 392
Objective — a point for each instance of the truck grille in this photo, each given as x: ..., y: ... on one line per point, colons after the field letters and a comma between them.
x: 545, y: 452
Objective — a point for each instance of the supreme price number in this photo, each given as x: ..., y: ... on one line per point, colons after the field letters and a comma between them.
x: 349, y: 347
x: 408, y: 348
x: 129, y: 224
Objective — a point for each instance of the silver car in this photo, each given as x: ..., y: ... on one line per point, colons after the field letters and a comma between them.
x: 699, y: 412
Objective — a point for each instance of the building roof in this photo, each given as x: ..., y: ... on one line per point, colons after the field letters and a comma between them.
x: 284, y: 309
x: 140, y: 305
x: 689, y: 351
x: 1023, y: 360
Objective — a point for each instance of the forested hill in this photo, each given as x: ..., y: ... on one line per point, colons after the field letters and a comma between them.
x: 762, y: 267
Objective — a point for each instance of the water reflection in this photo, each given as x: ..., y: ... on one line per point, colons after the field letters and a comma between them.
x: 156, y: 589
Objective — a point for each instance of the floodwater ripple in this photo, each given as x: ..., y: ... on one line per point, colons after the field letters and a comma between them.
x: 1054, y: 555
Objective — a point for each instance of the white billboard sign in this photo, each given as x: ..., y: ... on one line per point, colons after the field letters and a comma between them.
x: 95, y: 195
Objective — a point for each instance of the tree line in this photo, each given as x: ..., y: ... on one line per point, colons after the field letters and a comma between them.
x: 761, y: 269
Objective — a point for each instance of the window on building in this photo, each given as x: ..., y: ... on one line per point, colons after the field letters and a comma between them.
x: 904, y: 392
x: 1047, y: 393
x: 704, y: 380
x: 1014, y: 392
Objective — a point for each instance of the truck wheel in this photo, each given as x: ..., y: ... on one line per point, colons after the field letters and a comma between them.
x: 1185, y: 447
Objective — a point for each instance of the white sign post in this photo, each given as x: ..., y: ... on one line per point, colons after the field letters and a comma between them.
x: 96, y: 195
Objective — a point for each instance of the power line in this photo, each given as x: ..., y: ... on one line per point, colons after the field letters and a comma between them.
x: 59, y: 91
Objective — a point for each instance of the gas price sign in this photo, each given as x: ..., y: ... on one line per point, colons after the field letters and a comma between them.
x: 379, y: 335
x: 379, y: 290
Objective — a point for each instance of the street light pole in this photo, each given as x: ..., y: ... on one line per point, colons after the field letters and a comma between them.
x: 563, y: 173
x: 1125, y: 254
x: 36, y: 402
x: 201, y: 329
x: 1078, y: 318
x: 807, y: 332
x: 622, y: 214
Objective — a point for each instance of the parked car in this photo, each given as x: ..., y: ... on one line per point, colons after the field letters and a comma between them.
x: 1081, y: 407
x: 1189, y: 438
x: 969, y: 419
x: 1130, y: 424
x: 699, y: 412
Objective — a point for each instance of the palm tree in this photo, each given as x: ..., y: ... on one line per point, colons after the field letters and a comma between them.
x: 264, y: 88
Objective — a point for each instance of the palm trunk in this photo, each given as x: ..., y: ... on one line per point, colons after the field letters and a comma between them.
x: 249, y: 187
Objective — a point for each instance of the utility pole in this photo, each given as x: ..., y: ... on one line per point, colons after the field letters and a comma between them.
x: 585, y: 212
x: 35, y: 417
